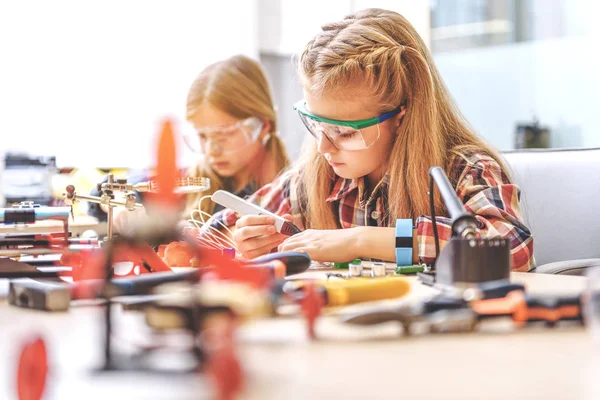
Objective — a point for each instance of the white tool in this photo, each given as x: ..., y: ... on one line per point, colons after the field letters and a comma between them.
x: 244, y: 207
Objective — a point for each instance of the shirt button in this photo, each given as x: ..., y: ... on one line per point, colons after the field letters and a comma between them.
x: 375, y: 215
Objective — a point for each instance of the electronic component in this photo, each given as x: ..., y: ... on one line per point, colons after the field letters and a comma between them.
x: 410, y: 269
x: 378, y: 269
x: 355, y: 268
x: 46, y: 296
x: 341, y: 265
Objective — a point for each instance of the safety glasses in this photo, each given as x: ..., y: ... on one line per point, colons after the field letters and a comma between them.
x: 344, y: 135
x: 224, y: 138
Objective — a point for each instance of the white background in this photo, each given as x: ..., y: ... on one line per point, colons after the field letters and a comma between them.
x: 90, y: 82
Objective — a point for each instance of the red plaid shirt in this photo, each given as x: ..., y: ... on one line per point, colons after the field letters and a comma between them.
x: 479, y: 182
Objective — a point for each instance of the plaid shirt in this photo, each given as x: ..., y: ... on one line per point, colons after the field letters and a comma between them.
x: 479, y: 182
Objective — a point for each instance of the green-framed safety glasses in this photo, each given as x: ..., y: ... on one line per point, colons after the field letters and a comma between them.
x: 344, y: 135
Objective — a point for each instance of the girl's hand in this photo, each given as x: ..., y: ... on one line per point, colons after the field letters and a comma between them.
x: 337, y: 245
x: 255, y: 235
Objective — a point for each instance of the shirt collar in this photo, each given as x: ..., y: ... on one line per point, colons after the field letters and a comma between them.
x: 247, y: 190
x: 344, y: 186
x: 244, y: 192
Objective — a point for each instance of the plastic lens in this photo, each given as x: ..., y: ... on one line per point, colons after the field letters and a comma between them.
x: 223, y: 139
x: 342, y: 137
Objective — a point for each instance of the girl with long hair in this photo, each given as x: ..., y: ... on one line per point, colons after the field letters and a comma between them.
x: 380, y: 116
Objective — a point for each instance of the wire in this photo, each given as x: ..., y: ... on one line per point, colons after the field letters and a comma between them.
x: 208, y: 234
x: 200, y: 206
x: 200, y: 212
x: 432, y: 207
x: 205, y: 227
x: 207, y: 243
x: 219, y: 222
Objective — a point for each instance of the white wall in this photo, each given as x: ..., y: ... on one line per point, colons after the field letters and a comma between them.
x: 89, y: 81
x: 418, y: 12
x: 286, y: 26
x: 556, y: 80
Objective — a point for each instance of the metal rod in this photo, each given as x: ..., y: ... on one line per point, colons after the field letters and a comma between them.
x: 125, y: 187
x: 463, y: 223
x: 66, y: 227
x: 109, y: 219
x: 98, y: 200
x: 183, y: 184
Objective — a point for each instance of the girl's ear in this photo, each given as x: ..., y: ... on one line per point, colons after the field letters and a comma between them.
x: 266, y: 128
x: 400, y: 117
x: 265, y: 132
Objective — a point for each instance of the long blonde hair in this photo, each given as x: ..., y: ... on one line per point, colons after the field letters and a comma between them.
x: 238, y: 87
x: 381, y: 49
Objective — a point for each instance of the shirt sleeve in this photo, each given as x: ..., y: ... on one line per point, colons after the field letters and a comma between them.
x: 487, y: 193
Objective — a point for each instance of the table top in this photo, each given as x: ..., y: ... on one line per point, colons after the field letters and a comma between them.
x: 346, y: 362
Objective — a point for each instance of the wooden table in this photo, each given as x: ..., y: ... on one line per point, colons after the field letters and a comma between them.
x: 347, y: 362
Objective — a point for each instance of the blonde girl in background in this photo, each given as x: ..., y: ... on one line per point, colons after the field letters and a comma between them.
x: 231, y: 110
x: 380, y: 116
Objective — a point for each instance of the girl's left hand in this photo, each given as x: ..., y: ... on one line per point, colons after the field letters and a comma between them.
x: 336, y: 245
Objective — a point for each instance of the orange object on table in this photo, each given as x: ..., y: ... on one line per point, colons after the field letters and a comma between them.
x: 32, y: 370
x: 178, y: 254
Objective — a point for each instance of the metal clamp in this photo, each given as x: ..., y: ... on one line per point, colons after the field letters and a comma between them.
x: 107, y: 199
